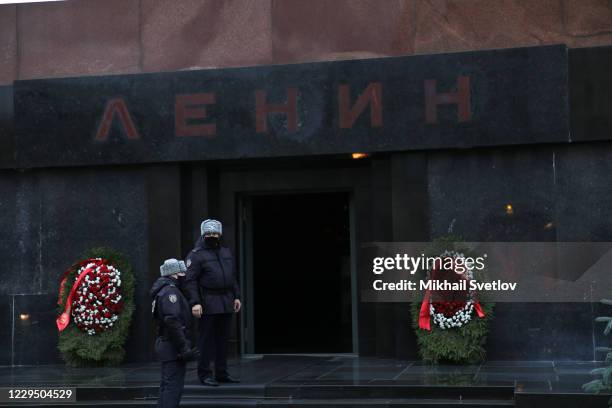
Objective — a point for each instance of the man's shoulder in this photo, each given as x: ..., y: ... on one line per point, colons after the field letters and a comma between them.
x: 171, y: 288
x: 195, y: 253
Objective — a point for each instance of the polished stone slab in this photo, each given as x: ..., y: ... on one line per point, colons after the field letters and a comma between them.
x: 270, y: 380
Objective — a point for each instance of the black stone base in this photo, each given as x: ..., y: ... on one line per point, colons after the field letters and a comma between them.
x: 283, y: 381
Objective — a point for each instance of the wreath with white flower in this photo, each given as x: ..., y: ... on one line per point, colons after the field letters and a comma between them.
x: 448, y: 315
x: 461, y: 316
x: 96, y: 295
x: 98, y: 300
x: 440, y: 320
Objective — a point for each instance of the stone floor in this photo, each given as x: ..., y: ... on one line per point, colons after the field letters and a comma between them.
x: 525, y: 376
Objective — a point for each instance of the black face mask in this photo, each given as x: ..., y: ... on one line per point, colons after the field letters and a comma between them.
x: 212, y: 242
x: 180, y: 280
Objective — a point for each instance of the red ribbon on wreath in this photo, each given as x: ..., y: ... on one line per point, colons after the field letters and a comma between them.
x: 64, y: 320
x: 424, y: 318
x: 60, y: 296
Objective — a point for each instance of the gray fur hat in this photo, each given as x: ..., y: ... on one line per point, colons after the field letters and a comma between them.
x: 211, y: 226
x: 172, y: 266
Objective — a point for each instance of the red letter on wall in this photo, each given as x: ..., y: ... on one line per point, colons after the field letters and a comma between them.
x: 372, y: 96
x: 262, y: 109
x: 461, y: 98
x: 190, y: 106
x: 116, y: 106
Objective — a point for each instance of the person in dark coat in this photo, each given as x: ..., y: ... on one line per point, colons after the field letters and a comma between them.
x: 214, y: 296
x: 171, y: 310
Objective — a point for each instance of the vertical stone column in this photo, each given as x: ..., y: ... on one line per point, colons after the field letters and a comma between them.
x: 382, y: 230
x: 409, y: 202
x: 7, y: 141
x: 194, y: 204
x: 164, y: 222
x: 410, y: 213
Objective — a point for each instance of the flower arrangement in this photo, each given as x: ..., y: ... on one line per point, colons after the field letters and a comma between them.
x: 96, y: 294
x: 99, y: 301
x: 455, y: 313
x: 457, y: 319
x: 460, y: 318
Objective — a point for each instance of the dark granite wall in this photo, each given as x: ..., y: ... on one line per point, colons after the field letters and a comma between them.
x: 558, y: 193
x: 469, y: 191
x: 48, y: 218
x: 566, y: 185
x: 7, y: 151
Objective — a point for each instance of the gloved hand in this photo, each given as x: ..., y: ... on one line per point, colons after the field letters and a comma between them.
x: 189, y: 355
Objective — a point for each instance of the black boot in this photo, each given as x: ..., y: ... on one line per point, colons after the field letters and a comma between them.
x: 228, y: 379
x: 209, y: 381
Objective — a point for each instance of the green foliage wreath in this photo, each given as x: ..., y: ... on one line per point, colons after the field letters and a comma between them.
x: 79, y: 349
x: 463, y: 345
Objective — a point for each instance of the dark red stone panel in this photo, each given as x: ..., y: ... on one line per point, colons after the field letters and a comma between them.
x: 191, y: 34
x: 588, y: 17
x: 8, y: 44
x: 336, y: 29
x: 72, y: 38
x: 456, y: 25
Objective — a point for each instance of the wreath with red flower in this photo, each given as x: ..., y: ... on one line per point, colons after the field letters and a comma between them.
x: 452, y: 325
x: 450, y: 309
x: 96, y: 296
x: 98, y: 301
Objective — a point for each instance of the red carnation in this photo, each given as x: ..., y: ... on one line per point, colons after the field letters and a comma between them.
x: 98, y: 302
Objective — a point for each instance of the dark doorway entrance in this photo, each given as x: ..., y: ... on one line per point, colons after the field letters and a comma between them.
x: 301, y: 273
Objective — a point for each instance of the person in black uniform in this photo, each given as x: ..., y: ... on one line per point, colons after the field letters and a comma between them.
x: 173, y: 345
x: 214, y: 296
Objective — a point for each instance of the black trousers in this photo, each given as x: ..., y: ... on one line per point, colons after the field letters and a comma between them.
x: 212, y: 342
x: 172, y: 382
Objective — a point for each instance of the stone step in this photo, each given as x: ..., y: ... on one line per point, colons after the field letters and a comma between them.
x: 130, y: 393
x: 394, y: 391
x: 282, y: 402
x: 305, y: 392
x: 382, y: 402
